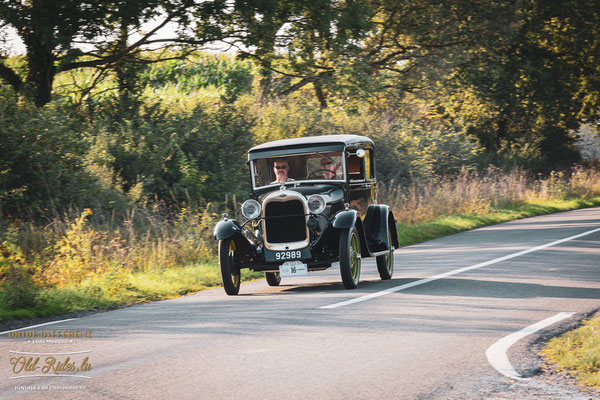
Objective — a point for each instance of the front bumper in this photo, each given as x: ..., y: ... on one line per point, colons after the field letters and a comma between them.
x: 269, y: 262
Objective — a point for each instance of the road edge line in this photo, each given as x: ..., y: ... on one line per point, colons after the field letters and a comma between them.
x: 497, y: 356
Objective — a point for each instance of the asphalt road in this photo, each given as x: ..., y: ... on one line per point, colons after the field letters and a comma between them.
x: 423, y: 342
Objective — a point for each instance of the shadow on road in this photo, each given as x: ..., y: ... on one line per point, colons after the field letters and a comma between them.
x: 498, y: 289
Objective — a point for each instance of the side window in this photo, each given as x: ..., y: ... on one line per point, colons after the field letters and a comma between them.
x: 355, y: 168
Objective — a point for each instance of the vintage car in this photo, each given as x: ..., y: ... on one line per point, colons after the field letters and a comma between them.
x: 314, y: 202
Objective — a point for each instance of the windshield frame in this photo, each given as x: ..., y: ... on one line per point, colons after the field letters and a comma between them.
x: 297, y: 152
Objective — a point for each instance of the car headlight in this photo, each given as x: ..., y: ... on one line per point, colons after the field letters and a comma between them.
x: 316, y: 204
x: 251, y: 209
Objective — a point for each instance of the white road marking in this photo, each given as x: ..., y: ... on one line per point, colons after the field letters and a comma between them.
x: 456, y: 271
x: 496, y: 353
x: 37, y: 326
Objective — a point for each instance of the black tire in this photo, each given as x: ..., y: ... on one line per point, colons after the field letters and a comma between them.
x: 273, y: 278
x: 385, y: 263
x: 230, y: 272
x: 350, y: 257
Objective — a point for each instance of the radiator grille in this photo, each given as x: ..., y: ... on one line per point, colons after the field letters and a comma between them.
x: 285, y: 221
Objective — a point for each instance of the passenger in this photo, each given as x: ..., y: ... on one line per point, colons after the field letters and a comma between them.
x: 329, y: 169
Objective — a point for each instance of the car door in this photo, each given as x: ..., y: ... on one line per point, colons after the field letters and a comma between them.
x: 361, y: 179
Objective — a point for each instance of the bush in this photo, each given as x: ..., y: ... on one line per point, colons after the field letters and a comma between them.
x: 18, y: 290
x: 40, y: 163
x: 153, y: 155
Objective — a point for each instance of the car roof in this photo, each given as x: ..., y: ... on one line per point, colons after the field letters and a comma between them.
x: 346, y: 140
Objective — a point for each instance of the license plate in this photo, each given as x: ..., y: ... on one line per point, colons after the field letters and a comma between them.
x: 293, y: 268
x: 287, y: 255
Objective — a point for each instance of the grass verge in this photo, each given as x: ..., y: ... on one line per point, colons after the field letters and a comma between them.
x: 115, y: 290
x: 578, y: 352
x: 450, y: 224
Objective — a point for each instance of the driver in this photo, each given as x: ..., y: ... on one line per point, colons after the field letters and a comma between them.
x: 329, y: 168
x: 281, y: 168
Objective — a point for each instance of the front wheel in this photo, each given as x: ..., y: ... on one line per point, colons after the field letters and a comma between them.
x: 230, y: 271
x: 350, y: 257
x: 273, y: 278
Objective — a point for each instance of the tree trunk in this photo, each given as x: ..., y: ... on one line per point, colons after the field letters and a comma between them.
x: 320, y: 95
x: 40, y: 76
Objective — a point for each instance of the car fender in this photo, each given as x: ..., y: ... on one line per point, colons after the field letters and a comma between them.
x: 226, y: 229
x: 247, y: 244
x: 378, y: 220
x: 347, y: 219
x: 393, y: 229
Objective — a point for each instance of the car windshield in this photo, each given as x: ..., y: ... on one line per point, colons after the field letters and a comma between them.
x: 298, y: 167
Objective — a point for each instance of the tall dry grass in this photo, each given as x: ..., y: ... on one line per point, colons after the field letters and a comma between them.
x: 70, y: 249
x: 473, y: 193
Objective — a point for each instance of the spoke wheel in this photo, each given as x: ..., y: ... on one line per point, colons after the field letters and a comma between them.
x: 230, y: 271
x: 350, y: 258
x: 385, y: 263
x: 273, y: 278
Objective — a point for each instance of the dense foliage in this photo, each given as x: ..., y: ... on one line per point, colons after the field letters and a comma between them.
x: 143, y: 121
x: 58, y: 158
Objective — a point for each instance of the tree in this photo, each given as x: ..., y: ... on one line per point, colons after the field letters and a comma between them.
x: 53, y: 32
x: 345, y: 47
x: 536, y: 66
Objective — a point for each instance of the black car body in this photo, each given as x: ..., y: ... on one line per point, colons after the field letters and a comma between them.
x: 326, y: 212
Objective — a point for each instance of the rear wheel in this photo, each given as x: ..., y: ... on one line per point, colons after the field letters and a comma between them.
x: 385, y: 263
x: 273, y: 278
x: 350, y: 257
x: 230, y: 271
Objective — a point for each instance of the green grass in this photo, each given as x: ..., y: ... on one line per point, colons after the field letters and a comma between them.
x: 115, y: 290
x: 578, y: 352
x: 450, y: 224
